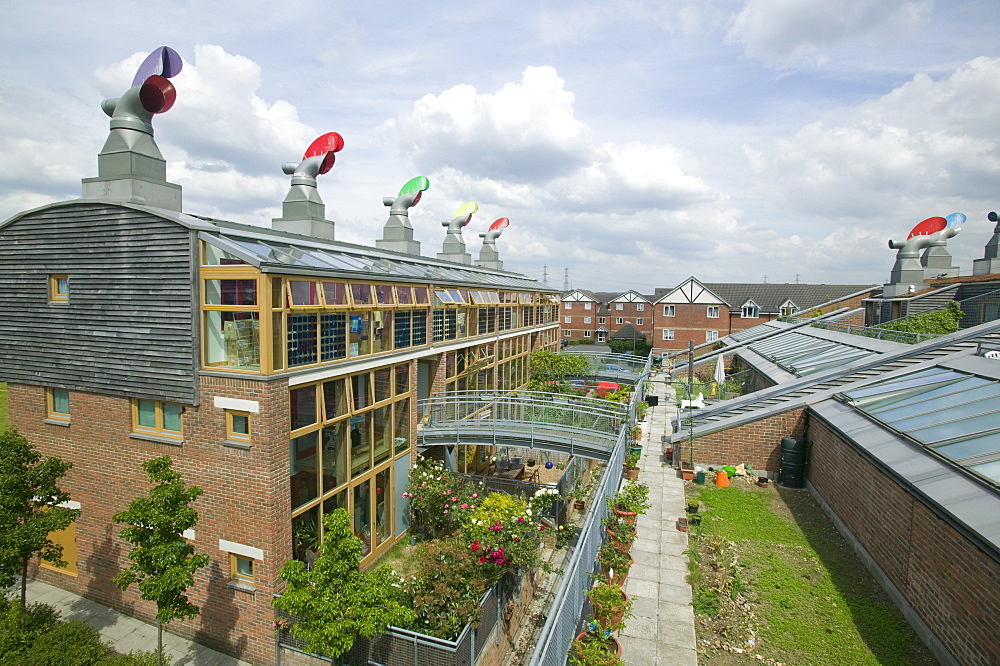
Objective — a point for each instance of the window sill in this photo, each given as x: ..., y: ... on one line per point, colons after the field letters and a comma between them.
x: 233, y: 444
x: 156, y: 438
x: 238, y: 586
x: 59, y: 422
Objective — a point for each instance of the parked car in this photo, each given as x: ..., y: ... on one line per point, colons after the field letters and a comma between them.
x: 578, y: 384
x: 612, y: 367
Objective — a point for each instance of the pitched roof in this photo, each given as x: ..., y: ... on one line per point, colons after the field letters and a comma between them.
x: 769, y: 296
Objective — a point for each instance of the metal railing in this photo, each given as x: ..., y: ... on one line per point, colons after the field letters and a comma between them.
x: 904, y: 337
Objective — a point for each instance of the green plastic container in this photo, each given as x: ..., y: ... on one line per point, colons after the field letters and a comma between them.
x: 699, y: 477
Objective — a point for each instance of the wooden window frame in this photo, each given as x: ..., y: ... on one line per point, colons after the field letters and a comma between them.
x: 57, y: 295
x: 231, y: 432
x: 158, y: 430
x: 234, y: 572
x: 50, y: 405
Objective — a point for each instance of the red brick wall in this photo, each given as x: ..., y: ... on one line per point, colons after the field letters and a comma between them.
x: 245, y: 500
x: 757, y: 443
x: 949, y: 582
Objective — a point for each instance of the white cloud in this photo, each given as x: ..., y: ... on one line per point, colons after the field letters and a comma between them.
x: 783, y: 31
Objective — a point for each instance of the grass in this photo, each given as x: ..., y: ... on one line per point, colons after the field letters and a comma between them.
x: 767, y: 563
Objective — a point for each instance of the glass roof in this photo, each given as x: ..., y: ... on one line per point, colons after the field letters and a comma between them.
x: 803, y: 354
x: 746, y: 334
x: 956, y: 414
x: 262, y: 247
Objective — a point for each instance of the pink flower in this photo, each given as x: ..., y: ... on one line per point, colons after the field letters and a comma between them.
x: 475, y: 545
x: 446, y: 510
x: 454, y: 499
x: 465, y: 506
x: 521, y: 519
x: 482, y: 559
x: 423, y: 484
x: 420, y: 498
x: 541, y: 527
x: 475, y: 495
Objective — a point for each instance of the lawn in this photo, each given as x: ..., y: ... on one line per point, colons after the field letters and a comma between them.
x: 771, y: 576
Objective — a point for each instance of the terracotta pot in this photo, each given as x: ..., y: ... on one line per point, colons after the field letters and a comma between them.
x: 578, y: 505
x: 618, y: 544
x: 615, y: 618
x: 632, y: 474
x: 629, y: 516
x: 620, y: 576
x: 682, y: 524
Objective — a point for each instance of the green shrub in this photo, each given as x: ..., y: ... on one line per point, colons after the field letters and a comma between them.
x: 73, y: 643
x: 134, y: 659
x: 19, y: 629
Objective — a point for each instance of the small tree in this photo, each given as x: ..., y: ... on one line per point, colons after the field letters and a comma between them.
x: 335, y: 603
x: 30, y: 508
x: 546, y: 366
x: 163, y: 562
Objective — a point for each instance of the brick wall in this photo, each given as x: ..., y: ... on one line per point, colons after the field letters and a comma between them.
x: 947, y: 580
x: 245, y: 500
x: 757, y: 443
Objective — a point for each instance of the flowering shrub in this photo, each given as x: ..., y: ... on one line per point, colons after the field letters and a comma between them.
x: 546, y: 495
x: 440, y: 500
x: 502, y: 535
x: 447, y: 589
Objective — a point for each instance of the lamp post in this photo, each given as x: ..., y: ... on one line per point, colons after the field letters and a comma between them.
x: 690, y: 388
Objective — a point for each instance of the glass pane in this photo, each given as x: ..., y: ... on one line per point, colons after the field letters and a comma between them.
x: 305, y: 536
x: 922, y: 378
x: 303, y: 293
x: 401, y: 329
x: 362, y: 516
x: 381, y: 330
x: 947, y: 413
x: 971, y: 447
x: 384, y: 295
x: 60, y: 401
x: 333, y: 336
x: 277, y: 341
x: 302, y: 406
x: 301, y: 339
x: 358, y: 342
x: 360, y: 444
x: 232, y: 340
x: 146, y: 413
x: 361, y: 391
x: 420, y: 295
x: 362, y: 294
x: 382, y: 434
x: 231, y: 292
x: 241, y: 424
x: 383, y: 384
x: 172, y: 416
x: 334, y: 502
x: 244, y: 567
x: 304, y: 478
x: 953, y: 429
x: 334, y: 399
x: 277, y: 292
x: 402, y: 379
x: 334, y: 456
x: 401, y: 431
x: 62, y: 285
x: 990, y: 470
x: 404, y: 295
x: 335, y: 293
x: 383, y: 508
x: 418, y: 327
x: 967, y: 390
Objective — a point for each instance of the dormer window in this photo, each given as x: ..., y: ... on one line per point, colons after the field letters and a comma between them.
x: 750, y: 310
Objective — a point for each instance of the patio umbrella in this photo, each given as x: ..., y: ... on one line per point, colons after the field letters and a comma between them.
x: 720, y: 370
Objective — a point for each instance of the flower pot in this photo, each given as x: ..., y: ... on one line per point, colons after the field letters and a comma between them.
x: 578, y: 505
x: 632, y: 474
x: 629, y: 516
x: 617, y: 576
x: 762, y: 481
x: 682, y: 524
x: 614, y: 645
x: 687, y: 471
x: 608, y: 616
x: 620, y: 545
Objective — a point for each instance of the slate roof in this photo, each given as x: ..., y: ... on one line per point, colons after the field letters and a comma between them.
x: 769, y: 296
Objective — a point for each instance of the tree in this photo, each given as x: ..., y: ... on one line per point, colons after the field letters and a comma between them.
x: 546, y: 366
x: 30, y: 508
x: 334, y: 602
x: 163, y: 562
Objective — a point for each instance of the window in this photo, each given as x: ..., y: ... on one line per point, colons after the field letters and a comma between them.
x: 567, y: 320
x: 58, y: 404
x: 569, y: 306
x: 788, y: 310
x: 669, y: 311
x: 640, y: 321
x: 59, y: 287
x: 587, y: 306
x: 241, y: 569
x: 602, y: 320
x: 668, y: 334
x: 640, y: 307
x: 711, y: 336
x: 586, y: 320
x: 567, y: 334
x: 713, y: 311
x: 619, y: 320
x: 586, y: 334
x: 237, y: 426
x: 750, y: 311
x: 619, y: 306
x: 154, y: 417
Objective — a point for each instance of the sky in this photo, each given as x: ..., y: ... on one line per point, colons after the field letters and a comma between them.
x: 631, y: 144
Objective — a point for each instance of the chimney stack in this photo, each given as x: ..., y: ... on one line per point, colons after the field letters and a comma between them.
x: 303, y: 211
x: 454, y: 247
x: 397, y: 234
x: 488, y: 255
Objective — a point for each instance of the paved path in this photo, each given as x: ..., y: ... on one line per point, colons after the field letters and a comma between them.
x: 662, y: 631
x: 125, y: 634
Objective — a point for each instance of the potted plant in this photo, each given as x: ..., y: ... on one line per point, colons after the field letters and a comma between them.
x: 611, y: 606
x: 530, y: 462
x: 590, y: 649
x: 632, y: 465
x: 687, y: 471
x: 692, y: 506
x: 631, y: 501
x: 615, y: 563
x: 636, y: 432
x: 621, y: 532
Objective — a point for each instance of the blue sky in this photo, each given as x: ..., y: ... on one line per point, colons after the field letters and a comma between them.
x: 632, y: 143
